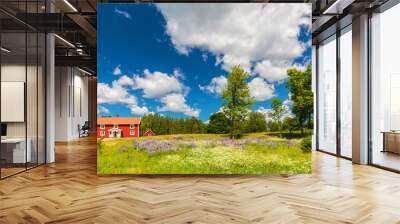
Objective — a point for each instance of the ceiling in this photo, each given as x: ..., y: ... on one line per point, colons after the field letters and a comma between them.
x: 330, y: 15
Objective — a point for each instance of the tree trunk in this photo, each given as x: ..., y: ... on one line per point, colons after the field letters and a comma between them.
x: 279, y: 129
x: 232, y: 129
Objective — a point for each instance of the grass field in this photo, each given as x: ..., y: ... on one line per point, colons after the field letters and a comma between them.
x: 258, y: 153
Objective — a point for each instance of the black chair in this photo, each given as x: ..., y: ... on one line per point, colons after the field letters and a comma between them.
x: 84, y: 130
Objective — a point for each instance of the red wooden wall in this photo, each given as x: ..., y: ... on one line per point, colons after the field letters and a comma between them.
x: 125, y: 131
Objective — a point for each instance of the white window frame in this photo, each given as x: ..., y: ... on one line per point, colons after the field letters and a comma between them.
x: 102, y: 133
x: 132, y: 131
x: 102, y: 126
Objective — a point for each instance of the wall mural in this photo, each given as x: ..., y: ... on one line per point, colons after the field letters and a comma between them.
x: 204, y: 88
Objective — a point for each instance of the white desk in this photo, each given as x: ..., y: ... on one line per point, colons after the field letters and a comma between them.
x: 19, y: 154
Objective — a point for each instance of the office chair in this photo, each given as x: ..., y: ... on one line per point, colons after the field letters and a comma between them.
x: 84, y: 130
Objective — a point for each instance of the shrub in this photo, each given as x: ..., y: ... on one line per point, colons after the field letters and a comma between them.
x: 305, y: 144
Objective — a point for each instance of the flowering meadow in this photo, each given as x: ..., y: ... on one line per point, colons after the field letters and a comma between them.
x: 202, y: 154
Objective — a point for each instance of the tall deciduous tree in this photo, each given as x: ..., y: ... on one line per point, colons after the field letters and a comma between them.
x: 299, y: 85
x: 277, y: 112
x: 237, y: 100
x: 290, y: 124
x: 256, y: 122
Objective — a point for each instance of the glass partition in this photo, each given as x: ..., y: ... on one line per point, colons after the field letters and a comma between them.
x: 327, y: 95
x: 13, y: 121
x: 22, y: 88
x: 31, y: 97
x: 385, y: 89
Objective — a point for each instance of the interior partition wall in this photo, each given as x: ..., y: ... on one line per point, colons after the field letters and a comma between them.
x: 385, y: 89
x: 22, y: 89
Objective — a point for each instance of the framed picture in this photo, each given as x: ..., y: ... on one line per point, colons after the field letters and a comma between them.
x: 204, y: 88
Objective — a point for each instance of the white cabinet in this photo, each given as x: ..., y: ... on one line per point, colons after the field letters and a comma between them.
x: 19, y: 155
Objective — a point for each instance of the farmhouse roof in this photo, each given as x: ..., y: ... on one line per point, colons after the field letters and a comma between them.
x: 118, y: 120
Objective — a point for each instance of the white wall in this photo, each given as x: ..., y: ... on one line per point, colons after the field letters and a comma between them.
x: 71, y: 102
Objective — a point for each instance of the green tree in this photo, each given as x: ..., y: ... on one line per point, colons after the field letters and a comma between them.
x: 162, y: 125
x: 256, y: 122
x: 218, y: 124
x: 272, y: 126
x: 290, y: 124
x: 147, y: 123
x: 237, y: 100
x: 299, y: 86
x: 277, y: 112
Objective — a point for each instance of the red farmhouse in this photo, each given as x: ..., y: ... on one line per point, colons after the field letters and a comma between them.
x: 118, y: 127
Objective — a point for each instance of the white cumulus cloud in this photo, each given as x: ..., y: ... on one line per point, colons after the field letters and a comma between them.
x: 117, y: 93
x: 135, y: 109
x: 124, y: 81
x: 123, y: 13
x: 157, y: 84
x: 113, y: 94
x: 271, y: 72
x: 216, y: 86
x: 117, y: 70
x: 102, y: 110
x: 241, y: 34
x: 260, y: 89
x: 162, y: 87
x: 177, y: 103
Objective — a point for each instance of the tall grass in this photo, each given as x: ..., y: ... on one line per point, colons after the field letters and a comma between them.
x: 207, y: 156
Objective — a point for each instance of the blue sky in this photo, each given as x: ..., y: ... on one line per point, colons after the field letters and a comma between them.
x: 174, y: 59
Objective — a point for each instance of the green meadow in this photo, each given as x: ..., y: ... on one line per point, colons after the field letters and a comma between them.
x: 256, y: 153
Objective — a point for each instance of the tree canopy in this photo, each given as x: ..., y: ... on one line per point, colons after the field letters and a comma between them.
x: 277, y: 112
x: 237, y: 100
x: 256, y: 122
x: 299, y: 85
x: 218, y: 124
x: 162, y: 125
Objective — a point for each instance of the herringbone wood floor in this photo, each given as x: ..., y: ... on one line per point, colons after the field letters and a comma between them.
x: 69, y: 191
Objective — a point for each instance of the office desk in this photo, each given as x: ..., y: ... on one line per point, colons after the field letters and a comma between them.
x: 13, y: 150
x: 391, y: 142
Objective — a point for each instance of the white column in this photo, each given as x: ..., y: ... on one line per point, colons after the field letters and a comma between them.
x: 50, y: 100
x: 50, y: 92
x: 360, y: 90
